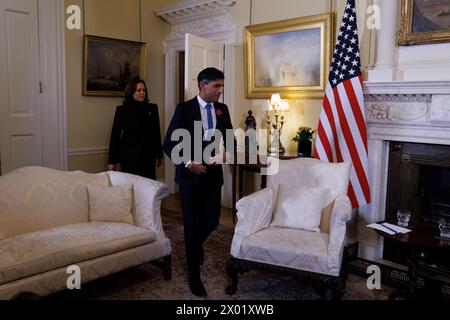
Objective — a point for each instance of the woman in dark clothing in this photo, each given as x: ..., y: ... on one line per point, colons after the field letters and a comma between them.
x: 135, y: 137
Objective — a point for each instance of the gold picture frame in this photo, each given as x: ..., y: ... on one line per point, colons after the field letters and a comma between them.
x: 291, y: 57
x: 109, y: 63
x: 424, y: 22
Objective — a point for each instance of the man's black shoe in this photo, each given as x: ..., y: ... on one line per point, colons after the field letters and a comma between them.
x: 196, y: 286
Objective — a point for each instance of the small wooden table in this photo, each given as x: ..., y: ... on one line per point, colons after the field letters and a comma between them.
x: 424, y: 236
x: 243, y: 163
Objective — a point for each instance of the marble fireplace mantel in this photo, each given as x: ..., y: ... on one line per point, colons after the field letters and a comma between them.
x: 398, y: 111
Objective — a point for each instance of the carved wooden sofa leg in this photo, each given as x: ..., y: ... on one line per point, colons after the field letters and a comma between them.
x: 165, y: 265
x: 167, y: 269
x: 233, y: 274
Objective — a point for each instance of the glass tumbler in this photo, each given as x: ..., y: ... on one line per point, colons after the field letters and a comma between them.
x: 403, y: 217
x: 444, y: 228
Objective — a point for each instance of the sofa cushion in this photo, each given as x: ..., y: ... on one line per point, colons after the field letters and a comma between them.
x: 292, y: 248
x: 111, y: 204
x: 37, y: 252
x: 38, y: 198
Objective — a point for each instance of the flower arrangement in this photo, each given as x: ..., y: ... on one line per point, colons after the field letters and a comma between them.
x: 303, y: 134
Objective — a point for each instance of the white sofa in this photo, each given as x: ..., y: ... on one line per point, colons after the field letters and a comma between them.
x: 45, y: 227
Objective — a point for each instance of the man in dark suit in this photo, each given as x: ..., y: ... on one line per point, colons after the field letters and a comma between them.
x: 200, y: 180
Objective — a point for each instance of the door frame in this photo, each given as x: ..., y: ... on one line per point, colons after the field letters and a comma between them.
x: 171, y: 96
x: 52, y: 74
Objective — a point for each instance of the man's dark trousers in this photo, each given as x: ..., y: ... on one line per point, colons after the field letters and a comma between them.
x: 201, y: 212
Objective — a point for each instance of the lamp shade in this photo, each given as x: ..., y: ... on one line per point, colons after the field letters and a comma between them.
x: 275, y: 99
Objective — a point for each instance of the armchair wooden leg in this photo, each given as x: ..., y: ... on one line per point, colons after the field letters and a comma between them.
x: 339, y: 289
x: 233, y: 274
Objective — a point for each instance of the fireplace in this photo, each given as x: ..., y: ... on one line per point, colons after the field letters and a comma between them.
x: 408, y: 126
x: 418, y: 180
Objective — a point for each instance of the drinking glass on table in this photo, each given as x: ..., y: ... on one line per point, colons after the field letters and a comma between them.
x: 403, y: 217
x: 444, y: 228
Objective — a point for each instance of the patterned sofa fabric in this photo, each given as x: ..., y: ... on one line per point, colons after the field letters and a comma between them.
x: 45, y: 227
x: 40, y: 251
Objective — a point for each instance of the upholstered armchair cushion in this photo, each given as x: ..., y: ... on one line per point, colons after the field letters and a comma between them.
x: 310, y: 173
x: 291, y: 248
x: 299, y: 207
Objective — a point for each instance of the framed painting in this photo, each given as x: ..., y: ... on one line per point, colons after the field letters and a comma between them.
x: 109, y: 64
x: 424, y: 22
x: 290, y: 57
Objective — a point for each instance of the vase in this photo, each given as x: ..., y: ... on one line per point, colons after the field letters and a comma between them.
x: 304, y: 148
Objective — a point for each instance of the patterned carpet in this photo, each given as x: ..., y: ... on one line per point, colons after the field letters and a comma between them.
x: 145, y: 282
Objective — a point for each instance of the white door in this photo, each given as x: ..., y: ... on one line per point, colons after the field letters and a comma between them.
x: 20, y: 122
x: 200, y: 53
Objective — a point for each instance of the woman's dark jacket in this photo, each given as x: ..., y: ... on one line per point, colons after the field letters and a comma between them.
x: 135, y: 135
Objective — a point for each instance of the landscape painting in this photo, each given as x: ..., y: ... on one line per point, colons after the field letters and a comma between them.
x: 290, y: 57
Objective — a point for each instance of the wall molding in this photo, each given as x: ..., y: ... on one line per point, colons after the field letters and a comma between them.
x: 206, y: 18
x: 407, y: 87
x: 191, y: 10
x: 87, y: 151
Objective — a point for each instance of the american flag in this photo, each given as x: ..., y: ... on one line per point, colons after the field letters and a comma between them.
x: 341, y: 134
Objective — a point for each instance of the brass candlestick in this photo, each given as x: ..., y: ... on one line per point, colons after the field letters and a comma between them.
x: 274, y: 145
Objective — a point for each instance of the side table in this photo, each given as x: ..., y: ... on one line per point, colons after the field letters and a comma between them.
x: 422, y: 237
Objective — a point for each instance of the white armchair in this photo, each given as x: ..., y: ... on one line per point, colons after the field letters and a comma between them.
x: 314, y: 254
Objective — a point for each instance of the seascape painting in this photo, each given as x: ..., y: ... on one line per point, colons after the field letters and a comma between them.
x: 431, y: 15
x: 110, y: 64
x: 424, y: 22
